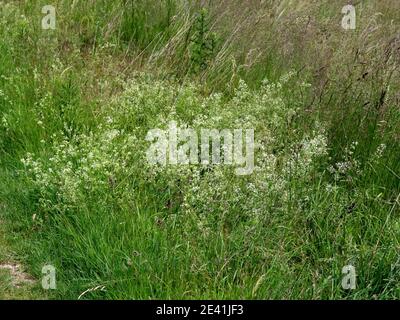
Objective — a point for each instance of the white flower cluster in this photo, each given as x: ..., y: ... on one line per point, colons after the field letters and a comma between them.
x: 349, y: 167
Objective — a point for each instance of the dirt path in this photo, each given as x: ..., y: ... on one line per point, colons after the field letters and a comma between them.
x: 15, y: 282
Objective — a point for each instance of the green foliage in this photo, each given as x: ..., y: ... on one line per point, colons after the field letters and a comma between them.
x: 202, y: 43
x: 77, y: 192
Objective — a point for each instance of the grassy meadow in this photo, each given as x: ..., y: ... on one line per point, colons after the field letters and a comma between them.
x: 76, y: 190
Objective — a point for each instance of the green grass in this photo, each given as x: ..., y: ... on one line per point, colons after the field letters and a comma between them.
x: 76, y: 104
